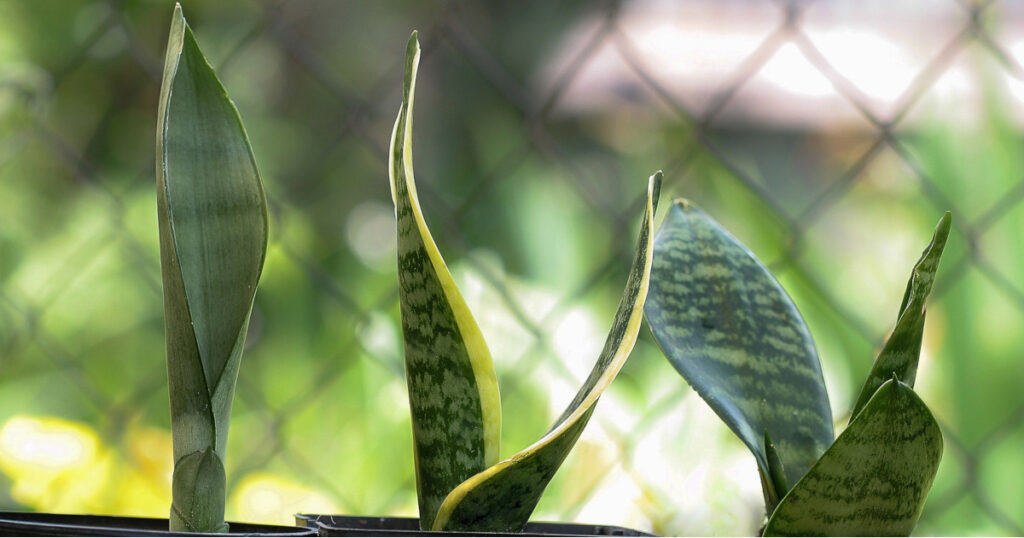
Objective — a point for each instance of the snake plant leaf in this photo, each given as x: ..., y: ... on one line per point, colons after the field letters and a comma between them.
x: 453, y: 390
x: 501, y: 498
x: 729, y: 328
x: 199, y: 472
x: 774, y: 483
x: 900, y: 354
x: 212, y: 217
x: 874, y: 479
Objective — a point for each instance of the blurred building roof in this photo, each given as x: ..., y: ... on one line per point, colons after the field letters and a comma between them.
x: 806, y: 65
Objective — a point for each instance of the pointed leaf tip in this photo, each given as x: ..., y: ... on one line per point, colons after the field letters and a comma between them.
x: 457, y: 436
x: 502, y: 497
x: 900, y: 355
x: 655, y: 186
x: 412, y: 61
x: 178, y: 17
x: 873, y: 481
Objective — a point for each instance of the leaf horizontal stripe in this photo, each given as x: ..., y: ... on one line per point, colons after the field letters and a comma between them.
x: 874, y: 479
x: 453, y: 390
x: 729, y: 328
x: 902, y: 350
x: 501, y: 498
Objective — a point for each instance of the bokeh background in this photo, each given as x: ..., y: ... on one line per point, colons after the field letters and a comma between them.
x: 828, y: 136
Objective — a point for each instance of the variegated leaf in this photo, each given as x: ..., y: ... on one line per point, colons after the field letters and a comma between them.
x: 501, y: 498
x: 900, y: 355
x: 213, y: 234
x: 453, y: 390
x: 874, y: 479
x: 729, y: 328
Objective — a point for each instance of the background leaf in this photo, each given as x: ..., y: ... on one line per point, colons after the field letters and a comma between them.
x: 901, y: 352
x: 213, y: 234
x: 874, y: 479
x: 729, y: 328
x: 453, y: 390
x: 502, y: 498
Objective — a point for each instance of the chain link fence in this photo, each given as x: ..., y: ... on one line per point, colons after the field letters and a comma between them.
x: 537, y: 125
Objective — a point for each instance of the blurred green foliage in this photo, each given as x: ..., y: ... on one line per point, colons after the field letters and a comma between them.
x: 536, y: 213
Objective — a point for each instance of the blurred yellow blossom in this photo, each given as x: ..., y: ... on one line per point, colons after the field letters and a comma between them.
x: 54, y: 464
x: 267, y: 498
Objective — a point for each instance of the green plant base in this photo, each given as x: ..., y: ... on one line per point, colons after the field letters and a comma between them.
x: 42, y: 524
x: 410, y: 526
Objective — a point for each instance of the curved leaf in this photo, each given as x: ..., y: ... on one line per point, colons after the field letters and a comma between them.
x: 453, y: 390
x: 901, y: 352
x: 501, y: 498
x: 874, y: 479
x: 729, y: 328
x: 212, y: 217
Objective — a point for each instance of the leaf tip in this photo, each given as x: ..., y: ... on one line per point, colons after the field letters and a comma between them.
x: 412, y: 60
x: 414, y: 43
x: 654, y: 187
x: 945, y: 223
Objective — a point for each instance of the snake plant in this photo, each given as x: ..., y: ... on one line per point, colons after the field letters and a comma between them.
x: 729, y: 328
x: 212, y: 216
x: 462, y: 483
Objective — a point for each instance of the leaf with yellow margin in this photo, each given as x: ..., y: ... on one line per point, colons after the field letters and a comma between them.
x: 501, y: 498
x: 453, y: 390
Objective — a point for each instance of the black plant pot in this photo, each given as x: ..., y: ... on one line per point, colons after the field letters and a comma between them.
x: 410, y: 526
x: 39, y: 524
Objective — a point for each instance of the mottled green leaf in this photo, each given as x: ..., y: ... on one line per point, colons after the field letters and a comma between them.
x: 874, y: 479
x: 900, y: 354
x: 453, y: 390
x: 212, y: 217
x: 729, y: 328
x: 501, y: 498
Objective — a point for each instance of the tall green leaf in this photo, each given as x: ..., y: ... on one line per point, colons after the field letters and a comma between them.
x: 900, y: 354
x: 453, y: 390
x: 501, y: 498
x: 729, y: 328
x: 874, y: 479
x: 212, y: 216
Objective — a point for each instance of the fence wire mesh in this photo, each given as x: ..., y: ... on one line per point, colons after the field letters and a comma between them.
x: 537, y: 125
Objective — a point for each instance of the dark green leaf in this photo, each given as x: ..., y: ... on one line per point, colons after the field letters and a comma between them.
x: 874, y: 479
x: 729, y: 328
x: 900, y: 355
x: 501, y: 498
x: 212, y: 217
x: 453, y: 390
x: 774, y: 482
